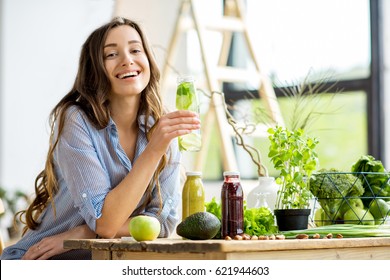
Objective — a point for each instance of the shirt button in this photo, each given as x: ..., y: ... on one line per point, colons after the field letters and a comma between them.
x: 170, y: 201
x: 84, y: 195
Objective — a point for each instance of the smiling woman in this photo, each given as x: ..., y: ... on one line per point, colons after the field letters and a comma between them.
x: 113, y: 151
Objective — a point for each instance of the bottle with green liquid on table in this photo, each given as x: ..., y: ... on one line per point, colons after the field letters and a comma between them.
x: 187, y: 99
x: 193, y: 195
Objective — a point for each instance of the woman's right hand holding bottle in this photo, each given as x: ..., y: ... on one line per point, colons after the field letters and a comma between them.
x: 172, y: 125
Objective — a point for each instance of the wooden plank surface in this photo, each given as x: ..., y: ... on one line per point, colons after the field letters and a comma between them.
x: 374, y: 253
x: 178, y: 245
x: 291, y: 249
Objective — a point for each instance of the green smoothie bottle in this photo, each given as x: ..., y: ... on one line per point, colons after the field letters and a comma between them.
x: 193, y: 195
x: 187, y: 99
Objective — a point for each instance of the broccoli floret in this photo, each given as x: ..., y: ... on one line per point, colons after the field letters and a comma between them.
x: 334, y: 189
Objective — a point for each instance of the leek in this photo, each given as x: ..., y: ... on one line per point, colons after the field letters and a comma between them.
x: 346, y: 230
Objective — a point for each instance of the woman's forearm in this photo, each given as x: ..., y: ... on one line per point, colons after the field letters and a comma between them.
x: 123, y: 199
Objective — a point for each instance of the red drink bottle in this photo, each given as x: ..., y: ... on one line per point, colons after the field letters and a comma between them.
x: 232, y: 200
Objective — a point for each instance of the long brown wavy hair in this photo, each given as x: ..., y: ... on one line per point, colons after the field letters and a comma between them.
x: 90, y: 92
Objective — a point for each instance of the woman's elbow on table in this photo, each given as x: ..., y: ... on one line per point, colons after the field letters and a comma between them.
x: 105, y: 230
x: 105, y: 233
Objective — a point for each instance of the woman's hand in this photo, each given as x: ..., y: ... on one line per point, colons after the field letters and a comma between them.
x: 53, y: 245
x: 170, y: 126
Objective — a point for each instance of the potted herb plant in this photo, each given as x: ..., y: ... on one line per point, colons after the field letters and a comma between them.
x: 293, y: 154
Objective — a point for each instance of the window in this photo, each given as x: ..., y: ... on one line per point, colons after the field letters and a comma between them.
x: 328, y: 38
x: 292, y: 37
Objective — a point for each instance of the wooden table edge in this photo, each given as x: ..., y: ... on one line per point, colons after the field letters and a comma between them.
x: 167, y: 245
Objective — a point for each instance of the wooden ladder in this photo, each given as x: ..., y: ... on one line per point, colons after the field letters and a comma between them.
x: 232, y: 21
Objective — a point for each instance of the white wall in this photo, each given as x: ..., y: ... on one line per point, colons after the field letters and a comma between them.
x: 39, y: 45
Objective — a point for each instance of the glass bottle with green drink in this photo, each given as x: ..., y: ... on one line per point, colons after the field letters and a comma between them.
x: 193, y: 194
x: 187, y: 99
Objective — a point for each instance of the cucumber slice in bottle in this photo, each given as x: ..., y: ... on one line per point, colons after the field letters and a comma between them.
x: 185, y: 96
x: 189, y: 141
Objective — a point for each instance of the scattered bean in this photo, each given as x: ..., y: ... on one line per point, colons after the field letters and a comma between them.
x: 237, y: 237
x: 263, y: 237
x: 316, y: 236
x: 280, y: 237
x: 302, y: 236
x: 246, y: 236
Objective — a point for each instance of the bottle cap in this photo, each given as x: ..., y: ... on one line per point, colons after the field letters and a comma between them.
x: 193, y: 173
x: 185, y: 78
x: 230, y: 173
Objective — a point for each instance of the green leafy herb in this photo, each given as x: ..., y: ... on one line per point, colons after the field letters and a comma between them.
x: 214, y: 207
x: 185, y: 96
x: 293, y: 154
x: 376, y: 183
x: 259, y: 221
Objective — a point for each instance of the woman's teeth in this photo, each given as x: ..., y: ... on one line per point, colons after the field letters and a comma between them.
x: 127, y: 75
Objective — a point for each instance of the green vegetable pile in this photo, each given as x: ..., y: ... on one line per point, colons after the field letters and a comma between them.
x: 257, y: 221
x: 356, y: 197
x: 335, y: 191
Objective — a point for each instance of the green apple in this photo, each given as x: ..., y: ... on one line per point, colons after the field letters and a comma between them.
x: 144, y: 228
x: 352, y: 203
x: 320, y: 218
x: 379, y: 209
x: 359, y: 215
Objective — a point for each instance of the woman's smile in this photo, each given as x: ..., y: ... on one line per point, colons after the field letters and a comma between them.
x: 127, y: 75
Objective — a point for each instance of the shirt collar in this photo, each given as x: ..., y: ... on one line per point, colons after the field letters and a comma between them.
x: 149, y: 124
x: 141, y: 121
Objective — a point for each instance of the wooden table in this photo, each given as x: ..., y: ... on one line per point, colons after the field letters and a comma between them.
x: 290, y: 249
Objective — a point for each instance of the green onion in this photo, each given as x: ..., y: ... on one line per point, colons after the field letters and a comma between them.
x: 346, y: 230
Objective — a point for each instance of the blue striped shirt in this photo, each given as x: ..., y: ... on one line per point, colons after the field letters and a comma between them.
x: 89, y: 163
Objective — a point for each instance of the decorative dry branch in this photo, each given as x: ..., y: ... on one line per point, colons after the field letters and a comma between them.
x: 239, y: 132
